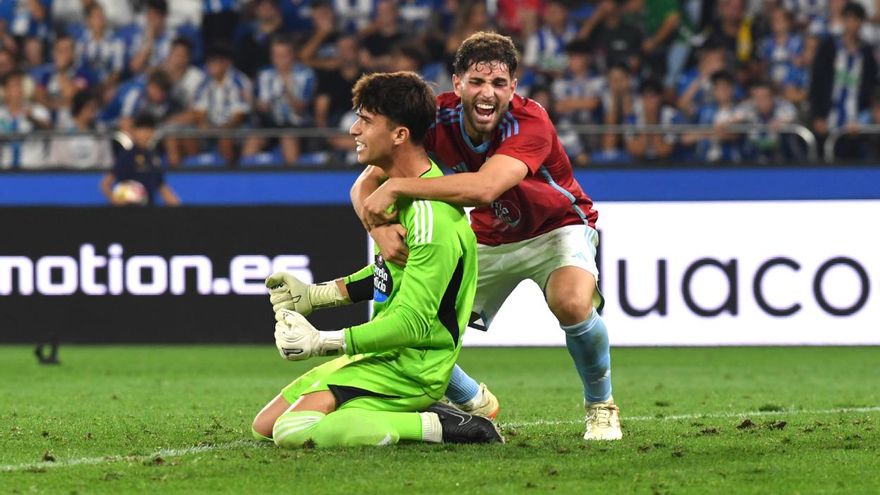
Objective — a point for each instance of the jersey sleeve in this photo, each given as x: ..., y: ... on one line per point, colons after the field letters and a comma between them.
x: 408, y: 321
x: 526, y: 136
x: 360, y: 284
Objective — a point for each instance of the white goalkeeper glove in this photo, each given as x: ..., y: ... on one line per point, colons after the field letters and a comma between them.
x: 288, y: 292
x: 296, y: 338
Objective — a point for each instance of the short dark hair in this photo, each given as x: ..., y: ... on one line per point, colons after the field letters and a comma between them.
x: 760, y: 83
x: 160, y: 6
x: 402, y: 97
x: 145, y: 120
x: 220, y: 49
x: 184, y: 42
x: 284, y: 39
x: 484, y: 47
x: 161, y: 78
x: 82, y: 98
x: 854, y: 9
x: 92, y: 7
x: 651, y: 85
x: 410, y: 51
x: 721, y: 75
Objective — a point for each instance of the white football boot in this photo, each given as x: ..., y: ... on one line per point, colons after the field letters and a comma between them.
x: 603, y: 421
x: 484, y: 404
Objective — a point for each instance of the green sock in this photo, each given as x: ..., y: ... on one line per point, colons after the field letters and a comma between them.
x: 347, y: 427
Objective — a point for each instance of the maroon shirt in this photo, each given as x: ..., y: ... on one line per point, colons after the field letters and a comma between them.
x: 546, y: 199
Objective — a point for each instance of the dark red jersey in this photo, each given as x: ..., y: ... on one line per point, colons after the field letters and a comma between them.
x: 546, y: 199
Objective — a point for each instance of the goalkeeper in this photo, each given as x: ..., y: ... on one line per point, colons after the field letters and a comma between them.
x: 400, y: 362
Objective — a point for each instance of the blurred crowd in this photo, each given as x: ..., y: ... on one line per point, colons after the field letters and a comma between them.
x: 82, y: 65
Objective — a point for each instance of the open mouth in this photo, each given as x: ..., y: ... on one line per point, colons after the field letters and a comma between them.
x: 484, y: 111
x: 359, y: 146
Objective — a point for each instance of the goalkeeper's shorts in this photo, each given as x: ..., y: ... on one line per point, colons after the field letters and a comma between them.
x: 372, y: 381
x: 503, y: 267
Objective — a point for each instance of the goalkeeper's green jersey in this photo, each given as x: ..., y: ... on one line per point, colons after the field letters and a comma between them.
x: 420, y: 311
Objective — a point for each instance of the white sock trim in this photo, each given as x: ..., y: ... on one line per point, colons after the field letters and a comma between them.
x: 432, y: 431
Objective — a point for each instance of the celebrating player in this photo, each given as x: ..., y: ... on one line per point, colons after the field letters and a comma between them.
x: 532, y: 219
x: 399, y: 363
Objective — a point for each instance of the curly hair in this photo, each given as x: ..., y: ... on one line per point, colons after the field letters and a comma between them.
x: 485, y: 47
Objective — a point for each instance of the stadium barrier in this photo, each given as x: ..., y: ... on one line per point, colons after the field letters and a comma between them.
x: 311, y: 159
x: 114, y: 275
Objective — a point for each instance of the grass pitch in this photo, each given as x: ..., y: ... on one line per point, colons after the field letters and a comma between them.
x: 176, y: 420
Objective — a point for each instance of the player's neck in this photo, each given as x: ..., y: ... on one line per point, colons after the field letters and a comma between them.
x: 408, y: 161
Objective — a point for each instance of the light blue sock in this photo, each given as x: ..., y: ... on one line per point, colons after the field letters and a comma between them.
x: 462, y: 388
x: 587, y: 343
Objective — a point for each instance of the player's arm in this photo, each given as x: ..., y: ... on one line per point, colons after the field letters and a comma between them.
x: 405, y: 323
x: 290, y: 293
x: 499, y: 173
x: 389, y: 237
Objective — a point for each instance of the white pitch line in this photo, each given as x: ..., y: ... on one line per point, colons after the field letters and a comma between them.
x: 164, y: 453
x: 625, y: 418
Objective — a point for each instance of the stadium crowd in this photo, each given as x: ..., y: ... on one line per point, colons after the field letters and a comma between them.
x: 81, y: 65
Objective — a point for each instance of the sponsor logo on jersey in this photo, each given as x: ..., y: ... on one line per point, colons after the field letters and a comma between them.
x: 383, y: 284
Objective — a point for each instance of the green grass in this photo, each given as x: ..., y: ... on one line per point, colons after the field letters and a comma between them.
x: 109, y: 415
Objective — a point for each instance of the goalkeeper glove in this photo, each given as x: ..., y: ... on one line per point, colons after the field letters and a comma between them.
x: 288, y: 292
x: 296, y: 338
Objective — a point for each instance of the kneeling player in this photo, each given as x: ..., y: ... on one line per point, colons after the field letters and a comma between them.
x: 400, y: 362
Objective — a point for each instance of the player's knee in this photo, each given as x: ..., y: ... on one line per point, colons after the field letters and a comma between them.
x: 571, y: 309
x: 261, y: 428
x: 293, y: 429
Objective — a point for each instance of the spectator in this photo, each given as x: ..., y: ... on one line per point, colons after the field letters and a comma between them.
x: 24, y: 18
x: 7, y: 63
x: 141, y: 163
x: 763, y: 108
x: 18, y: 115
x: 519, y: 18
x: 694, y: 86
x: 616, y: 39
x: 617, y: 103
x: 34, y: 56
x: 545, y: 48
x: 319, y: 51
x: 252, y: 45
x: 576, y: 98
x: 284, y: 98
x: 154, y: 99
x: 380, y: 36
x: 649, y: 109
x: 59, y: 80
x: 99, y: 49
x: 7, y: 40
x: 780, y: 52
x: 471, y: 16
x: 333, y: 97
x: 668, y: 33
x: 225, y: 98
x: 718, y: 145
x: 735, y: 32
x: 839, y: 96
x: 185, y: 77
x: 151, y: 44
x: 83, y: 152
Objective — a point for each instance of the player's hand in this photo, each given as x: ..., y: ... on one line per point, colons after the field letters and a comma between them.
x: 378, y: 208
x: 391, y: 239
x: 288, y: 292
x: 296, y: 338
